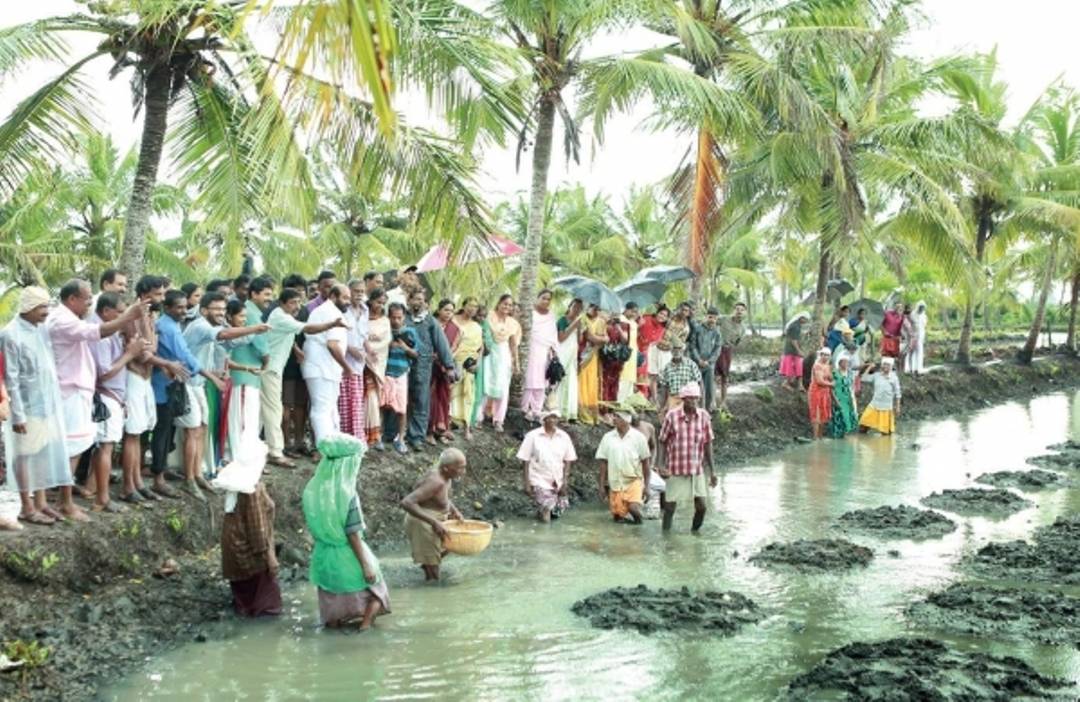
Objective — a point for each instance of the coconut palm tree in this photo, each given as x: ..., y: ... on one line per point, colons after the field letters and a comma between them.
x: 243, y: 116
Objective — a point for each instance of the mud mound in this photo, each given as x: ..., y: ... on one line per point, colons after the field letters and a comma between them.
x: 901, y: 522
x: 1048, y: 617
x: 1070, y: 460
x: 1023, y: 479
x: 973, y: 501
x: 1053, y: 556
x: 649, y: 610
x: 1069, y: 445
x: 899, y: 670
x: 821, y: 554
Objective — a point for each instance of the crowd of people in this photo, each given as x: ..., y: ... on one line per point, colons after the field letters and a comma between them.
x: 176, y: 385
x: 833, y: 378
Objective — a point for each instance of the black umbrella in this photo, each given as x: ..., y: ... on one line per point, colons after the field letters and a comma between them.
x: 665, y: 274
x: 834, y: 291
x: 875, y: 311
x: 641, y: 292
x: 591, y: 292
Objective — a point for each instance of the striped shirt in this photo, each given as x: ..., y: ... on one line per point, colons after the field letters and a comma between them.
x: 685, y: 438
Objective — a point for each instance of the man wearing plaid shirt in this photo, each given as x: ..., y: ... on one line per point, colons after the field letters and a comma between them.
x: 687, y: 438
x: 678, y: 374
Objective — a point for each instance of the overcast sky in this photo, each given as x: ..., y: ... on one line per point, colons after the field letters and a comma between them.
x: 1035, y: 40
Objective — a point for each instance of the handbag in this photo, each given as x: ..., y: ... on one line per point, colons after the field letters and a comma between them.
x: 555, y: 371
x: 618, y: 352
x: 176, y: 398
x: 101, y: 411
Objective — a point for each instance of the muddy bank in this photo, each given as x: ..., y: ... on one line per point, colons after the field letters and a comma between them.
x: 1035, y: 479
x: 814, y: 555
x: 900, y: 522
x: 915, y: 670
x: 1045, y: 616
x: 1052, y: 556
x: 977, y: 502
x: 114, y: 557
x: 647, y: 611
x: 1066, y: 460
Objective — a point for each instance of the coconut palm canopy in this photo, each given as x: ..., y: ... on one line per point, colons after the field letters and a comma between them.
x: 273, y: 130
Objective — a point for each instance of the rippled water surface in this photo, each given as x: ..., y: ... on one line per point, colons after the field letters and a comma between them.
x: 501, y: 627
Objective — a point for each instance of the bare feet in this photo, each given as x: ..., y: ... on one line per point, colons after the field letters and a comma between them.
x: 205, y: 485
x: 10, y: 524
x: 75, y: 513
x: 51, y: 513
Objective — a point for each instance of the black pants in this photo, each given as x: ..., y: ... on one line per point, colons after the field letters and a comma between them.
x: 161, y: 441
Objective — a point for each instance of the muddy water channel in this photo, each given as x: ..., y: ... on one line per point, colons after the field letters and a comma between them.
x: 501, y: 627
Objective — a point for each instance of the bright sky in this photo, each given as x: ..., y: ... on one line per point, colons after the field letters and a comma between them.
x: 1035, y: 46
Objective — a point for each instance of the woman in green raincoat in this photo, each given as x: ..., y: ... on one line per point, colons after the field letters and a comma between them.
x: 351, y: 586
x: 843, y: 420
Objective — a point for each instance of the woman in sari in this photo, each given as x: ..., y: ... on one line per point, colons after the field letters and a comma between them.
x: 377, y: 348
x: 844, y: 419
x: 820, y: 397
x: 468, y: 352
x: 487, y: 344
x: 618, y: 334
x: 650, y: 332
x: 502, y: 362
x: 543, y: 344
x: 352, y: 590
x: 439, y: 415
x: 569, y: 329
x: 594, y: 336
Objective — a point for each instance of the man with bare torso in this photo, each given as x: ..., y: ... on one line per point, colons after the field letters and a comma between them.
x: 427, y: 507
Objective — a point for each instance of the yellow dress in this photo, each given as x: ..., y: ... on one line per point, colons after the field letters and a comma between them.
x: 883, y: 421
x: 589, y: 376
x: 462, y: 393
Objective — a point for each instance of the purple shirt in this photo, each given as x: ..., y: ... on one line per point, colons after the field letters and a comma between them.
x: 71, y: 341
x: 312, y: 304
x: 105, y: 353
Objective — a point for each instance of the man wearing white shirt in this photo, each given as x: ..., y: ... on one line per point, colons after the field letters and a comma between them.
x: 325, y: 363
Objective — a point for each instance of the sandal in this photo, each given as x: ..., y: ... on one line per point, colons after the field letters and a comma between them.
x: 281, y: 461
x: 52, y: 514
x: 149, y: 494
x: 37, y: 518
x: 164, y: 491
x: 205, y: 485
x: 110, y: 507
x: 135, y: 498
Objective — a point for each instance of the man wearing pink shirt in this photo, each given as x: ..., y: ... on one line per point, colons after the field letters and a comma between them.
x: 71, y: 338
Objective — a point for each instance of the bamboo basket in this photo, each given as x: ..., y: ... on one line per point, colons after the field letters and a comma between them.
x: 467, y: 537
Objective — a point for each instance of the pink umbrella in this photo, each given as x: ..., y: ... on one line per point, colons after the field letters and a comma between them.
x: 473, y: 250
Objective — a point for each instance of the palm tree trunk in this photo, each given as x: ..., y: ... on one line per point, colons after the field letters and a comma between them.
x: 963, y: 349
x: 137, y: 223
x: 1028, y: 352
x: 817, y: 326
x: 1074, y: 297
x: 530, y: 259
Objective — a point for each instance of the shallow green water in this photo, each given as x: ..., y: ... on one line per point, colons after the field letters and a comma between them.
x: 501, y: 627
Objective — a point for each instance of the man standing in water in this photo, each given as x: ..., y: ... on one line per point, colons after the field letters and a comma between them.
x: 687, y: 438
x: 427, y: 507
x: 547, y: 453
x: 623, y: 454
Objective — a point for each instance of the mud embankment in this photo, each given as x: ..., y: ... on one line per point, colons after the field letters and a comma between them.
x: 88, y: 591
x: 916, y: 670
x: 900, y: 522
x: 814, y: 555
x: 648, y: 611
x: 1046, y: 616
x: 1052, y: 556
x: 976, y: 502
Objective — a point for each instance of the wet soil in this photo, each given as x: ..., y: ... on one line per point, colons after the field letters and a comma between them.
x: 814, y: 555
x: 1035, y: 479
x: 991, y: 502
x: 900, y: 522
x: 1069, y: 459
x: 915, y: 670
x: 648, y: 611
x: 111, y: 560
x: 1047, y: 616
x: 1052, y: 555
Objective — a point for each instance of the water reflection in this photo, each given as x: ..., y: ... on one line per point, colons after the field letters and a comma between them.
x: 502, y: 627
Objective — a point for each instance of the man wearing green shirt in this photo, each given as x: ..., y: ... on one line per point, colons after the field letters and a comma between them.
x: 284, y: 326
